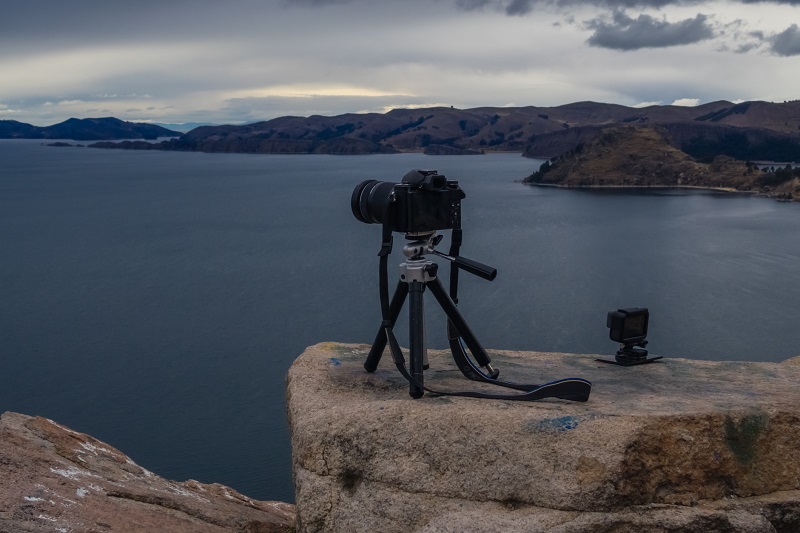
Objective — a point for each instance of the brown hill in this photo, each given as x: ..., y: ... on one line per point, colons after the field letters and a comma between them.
x: 702, y: 140
x: 87, y: 129
x: 642, y: 156
x: 543, y: 132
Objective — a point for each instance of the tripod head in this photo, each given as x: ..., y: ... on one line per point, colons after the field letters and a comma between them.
x: 419, y: 248
x: 421, y: 245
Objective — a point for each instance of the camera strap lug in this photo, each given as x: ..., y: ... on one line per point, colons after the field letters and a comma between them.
x: 386, y: 245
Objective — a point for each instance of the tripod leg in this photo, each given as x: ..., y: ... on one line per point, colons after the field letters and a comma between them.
x: 416, y: 324
x: 379, y: 344
x: 458, y: 321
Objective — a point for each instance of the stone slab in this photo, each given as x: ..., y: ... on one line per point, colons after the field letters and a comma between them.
x: 692, y: 442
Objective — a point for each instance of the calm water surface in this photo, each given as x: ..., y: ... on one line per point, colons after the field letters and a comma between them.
x: 156, y: 300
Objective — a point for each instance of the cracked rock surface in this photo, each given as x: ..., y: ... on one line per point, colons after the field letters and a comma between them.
x: 55, y: 479
x: 679, y: 445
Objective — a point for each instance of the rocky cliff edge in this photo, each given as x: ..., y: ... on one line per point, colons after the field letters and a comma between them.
x: 55, y: 479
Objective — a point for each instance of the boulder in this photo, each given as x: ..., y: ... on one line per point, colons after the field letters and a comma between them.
x: 55, y: 479
x: 677, y: 445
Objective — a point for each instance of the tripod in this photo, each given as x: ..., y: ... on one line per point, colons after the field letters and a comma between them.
x: 418, y: 273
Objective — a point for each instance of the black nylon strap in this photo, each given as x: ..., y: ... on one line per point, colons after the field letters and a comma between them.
x: 386, y: 249
x: 455, y: 250
x: 574, y: 389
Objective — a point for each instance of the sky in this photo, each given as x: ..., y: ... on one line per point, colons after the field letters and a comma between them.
x: 242, y: 61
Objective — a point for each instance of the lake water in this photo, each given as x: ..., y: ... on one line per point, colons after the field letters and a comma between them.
x: 155, y: 300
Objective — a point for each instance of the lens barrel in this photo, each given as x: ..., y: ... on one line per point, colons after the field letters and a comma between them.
x: 370, y: 200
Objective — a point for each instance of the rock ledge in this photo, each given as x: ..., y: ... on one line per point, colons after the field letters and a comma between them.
x: 681, y: 445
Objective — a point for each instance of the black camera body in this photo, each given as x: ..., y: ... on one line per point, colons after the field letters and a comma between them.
x: 425, y: 201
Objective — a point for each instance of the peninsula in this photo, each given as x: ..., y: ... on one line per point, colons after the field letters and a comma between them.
x: 642, y: 156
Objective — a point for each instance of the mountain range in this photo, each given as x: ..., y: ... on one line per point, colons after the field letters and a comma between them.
x: 87, y: 129
x: 749, y: 130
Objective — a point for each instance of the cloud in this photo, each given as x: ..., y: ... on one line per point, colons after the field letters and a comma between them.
x: 625, y: 33
x: 184, y: 60
x: 519, y: 7
x: 6, y: 111
x: 257, y: 108
x: 515, y: 8
x: 787, y: 2
x: 747, y: 47
x: 623, y: 4
x: 472, y: 5
x: 312, y: 3
x: 687, y: 102
x: 786, y: 43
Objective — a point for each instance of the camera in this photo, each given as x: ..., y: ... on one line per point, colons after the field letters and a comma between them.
x: 628, y: 326
x: 423, y: 202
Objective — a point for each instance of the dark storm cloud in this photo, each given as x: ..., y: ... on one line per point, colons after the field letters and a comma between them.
x: 519, y: 7
x: 524, y: 7
x: 472, y: 5
x: 88, y: 16
x: 626, y: 33
x: 313, y: 3
x: 87, y: 22
x: 786, y: 43
x: 786, y: 2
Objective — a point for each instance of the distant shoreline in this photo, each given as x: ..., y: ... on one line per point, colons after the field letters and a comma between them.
x: 727, y: 190
x: 696, y: 187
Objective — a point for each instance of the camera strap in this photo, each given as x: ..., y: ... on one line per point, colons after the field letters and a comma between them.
x: 574, y: 389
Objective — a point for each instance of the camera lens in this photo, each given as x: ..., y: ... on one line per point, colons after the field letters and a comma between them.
x: 370, y: 200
